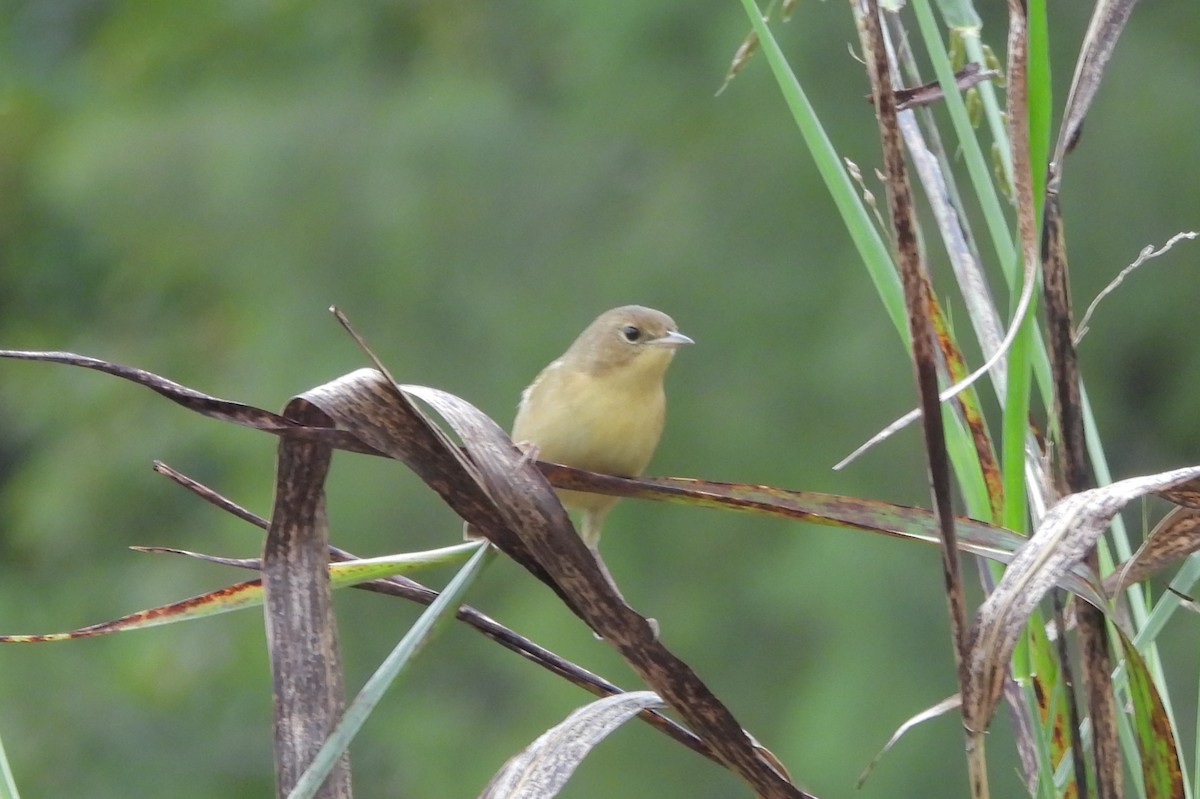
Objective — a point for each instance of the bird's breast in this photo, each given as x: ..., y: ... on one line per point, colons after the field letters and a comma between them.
x: 592, y: 422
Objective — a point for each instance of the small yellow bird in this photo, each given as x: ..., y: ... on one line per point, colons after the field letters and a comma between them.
x: 600, y: 406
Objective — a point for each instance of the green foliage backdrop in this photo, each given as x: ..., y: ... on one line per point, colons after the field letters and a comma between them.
x: 188, y: 186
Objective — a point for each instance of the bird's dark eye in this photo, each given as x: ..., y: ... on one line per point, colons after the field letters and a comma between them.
x: 631, y: 333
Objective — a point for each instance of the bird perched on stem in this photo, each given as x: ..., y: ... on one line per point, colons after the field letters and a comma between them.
x: 600, y: 406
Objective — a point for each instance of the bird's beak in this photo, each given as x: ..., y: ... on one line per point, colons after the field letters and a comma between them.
x: 673, y: 339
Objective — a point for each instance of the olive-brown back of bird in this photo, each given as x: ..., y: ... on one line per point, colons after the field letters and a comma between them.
x: 601, y: 405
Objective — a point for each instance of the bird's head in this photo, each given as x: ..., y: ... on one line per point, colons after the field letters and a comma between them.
x: 631, y: 339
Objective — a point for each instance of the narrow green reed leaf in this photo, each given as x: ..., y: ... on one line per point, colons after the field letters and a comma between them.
x: 871, y: 247
x: 1015, y: 425
x: 1041, y: 99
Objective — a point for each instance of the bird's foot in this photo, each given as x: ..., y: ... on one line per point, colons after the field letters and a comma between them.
x: 529, y: 452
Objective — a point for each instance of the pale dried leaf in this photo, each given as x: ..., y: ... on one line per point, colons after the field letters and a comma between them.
x: 1108, y: 20
x: 1069, y: 529
x: 1185, y: 494
x: 543, y: 768
x: 940, y: 709
x: 1171, y: 540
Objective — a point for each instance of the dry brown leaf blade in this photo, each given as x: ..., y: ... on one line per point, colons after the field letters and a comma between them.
x: 520, y: 491
x: 540, y: 519
x: 213, y: 407
x: 1095, y: 656
x: 302, y: 640
x: 875, y: 516
x: 918, y: 294
x: 1108, y: 20
x: 1175, y: 537
x: 1067, y: 532
x: 373, y: 410
x: 1186, y: 495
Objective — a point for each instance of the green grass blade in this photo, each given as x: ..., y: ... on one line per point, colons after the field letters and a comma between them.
x: 871, y: 247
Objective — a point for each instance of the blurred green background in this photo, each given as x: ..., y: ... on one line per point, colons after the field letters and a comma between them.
x: 187, y: 187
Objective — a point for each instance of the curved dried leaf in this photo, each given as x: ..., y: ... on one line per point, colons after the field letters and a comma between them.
x: 1069, y: 529
x: 380, y: 414
x: 1108, y: 20
x: 941, y: 708
x: 1186, y: 494
x: 543, y: 768
x: 1171, y: 540
x: 540, y: 521
x: 511, y: 502
x: 918, y: 291
x: 212, y: 407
